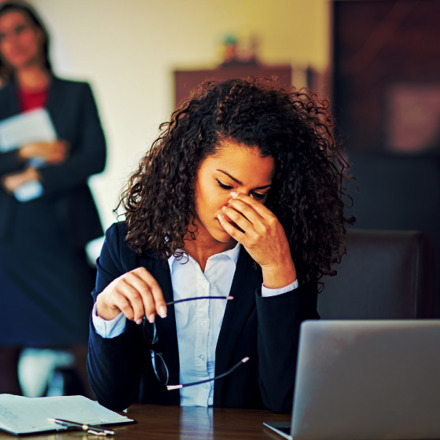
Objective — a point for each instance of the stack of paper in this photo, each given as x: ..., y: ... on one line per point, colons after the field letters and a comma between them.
x: 25, y: 415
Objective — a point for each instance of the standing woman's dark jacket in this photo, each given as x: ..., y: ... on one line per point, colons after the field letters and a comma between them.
x: 73, y: 110
x: 44, y: 276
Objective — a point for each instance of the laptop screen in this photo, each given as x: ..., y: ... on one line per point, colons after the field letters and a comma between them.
x: 367, y: 379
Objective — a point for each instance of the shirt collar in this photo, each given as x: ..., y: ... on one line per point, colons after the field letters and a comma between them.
x: 230, y: 253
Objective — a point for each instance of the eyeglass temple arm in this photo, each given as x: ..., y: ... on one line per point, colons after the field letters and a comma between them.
x: 170, y: 303
x: 178, y: 387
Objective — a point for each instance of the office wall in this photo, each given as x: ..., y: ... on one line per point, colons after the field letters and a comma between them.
x: 129, y: 49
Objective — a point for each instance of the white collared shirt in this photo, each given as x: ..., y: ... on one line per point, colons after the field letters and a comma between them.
x: 198, y: 322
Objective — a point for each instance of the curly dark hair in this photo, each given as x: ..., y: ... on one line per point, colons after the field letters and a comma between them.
x: 292, y: 126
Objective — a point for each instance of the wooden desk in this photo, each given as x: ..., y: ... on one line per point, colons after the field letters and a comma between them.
x: 183, y: 423
x: 191, y: 423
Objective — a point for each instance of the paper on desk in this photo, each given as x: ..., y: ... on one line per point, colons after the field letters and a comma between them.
x: 25, y: 128
x: 25, y: 415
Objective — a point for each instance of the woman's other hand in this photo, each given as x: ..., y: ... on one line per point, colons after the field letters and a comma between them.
x: 253, y: 225
x: 52, y: 152
x: 12, y: 181
x: 136, y: 294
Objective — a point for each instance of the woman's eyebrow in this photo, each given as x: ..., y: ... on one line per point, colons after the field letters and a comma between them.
x: 241, y: 183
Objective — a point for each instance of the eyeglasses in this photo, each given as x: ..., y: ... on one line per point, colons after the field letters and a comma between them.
x: 158, y: 362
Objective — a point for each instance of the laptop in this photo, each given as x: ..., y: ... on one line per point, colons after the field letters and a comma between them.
x: 366, y: 379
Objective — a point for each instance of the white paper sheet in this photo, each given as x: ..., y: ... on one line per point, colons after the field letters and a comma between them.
x: 26, y: 128
x: 24, y: 415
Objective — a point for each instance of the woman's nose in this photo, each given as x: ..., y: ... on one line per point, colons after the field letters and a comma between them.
x: 234, y: 194
x: 244, y: 192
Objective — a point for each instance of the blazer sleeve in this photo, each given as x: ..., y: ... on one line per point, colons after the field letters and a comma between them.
x: 77, y: 122
x: 279, y: 319
x: 115, y: 365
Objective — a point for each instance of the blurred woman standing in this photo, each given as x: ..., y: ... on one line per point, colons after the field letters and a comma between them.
x: 45, y: 279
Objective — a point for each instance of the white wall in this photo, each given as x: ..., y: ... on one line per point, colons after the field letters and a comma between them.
x: 128, y: 50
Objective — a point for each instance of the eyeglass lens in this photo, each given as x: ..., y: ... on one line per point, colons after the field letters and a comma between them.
x: 157, y: 361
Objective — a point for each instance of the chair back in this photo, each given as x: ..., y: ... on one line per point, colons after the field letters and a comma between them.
x: 384, y: 275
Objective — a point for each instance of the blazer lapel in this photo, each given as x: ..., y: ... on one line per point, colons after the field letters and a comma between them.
x: 56, y: 101
x: 246, y: 280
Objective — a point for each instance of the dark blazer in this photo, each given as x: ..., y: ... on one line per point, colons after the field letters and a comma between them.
x: 265, y: 329
x: 73, y: 110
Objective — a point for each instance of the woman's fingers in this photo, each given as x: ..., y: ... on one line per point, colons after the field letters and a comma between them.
x: 232, y: 230
x: 150, y: 293
x: 124, y: 299
x: 57, y: 152
x: 256, y: 205
x: 243, y: 215
x: 253, y: 225
x: 12, y: 181
x: 136, y: 294
x: 249, y: 215
x: 51, y: 151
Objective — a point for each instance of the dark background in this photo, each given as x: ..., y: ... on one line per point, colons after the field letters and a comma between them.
x: 386, y: 98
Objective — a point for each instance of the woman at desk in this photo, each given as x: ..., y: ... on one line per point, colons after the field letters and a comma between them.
x: 239, y: 197
x: 45, y: 280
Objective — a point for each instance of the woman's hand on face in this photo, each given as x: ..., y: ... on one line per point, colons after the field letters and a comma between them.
x: 136, y: 294
x: 253, y: 225
x: 52, y: 152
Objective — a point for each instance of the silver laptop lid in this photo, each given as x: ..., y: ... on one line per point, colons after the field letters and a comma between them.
x: 368, y: 380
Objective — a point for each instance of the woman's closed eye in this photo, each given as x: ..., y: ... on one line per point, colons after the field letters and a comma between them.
x: 223, y: 185
x: 257, y: 196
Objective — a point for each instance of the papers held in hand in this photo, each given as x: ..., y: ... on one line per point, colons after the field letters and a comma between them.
x: 26, y: 128
x: 27, y: 415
